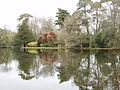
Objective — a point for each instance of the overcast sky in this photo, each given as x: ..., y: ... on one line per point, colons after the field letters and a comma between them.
x: 10, y: 10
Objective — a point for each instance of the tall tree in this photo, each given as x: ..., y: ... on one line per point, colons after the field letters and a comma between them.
x: 61, y: 15
x: 111, y: 24
x: 24, y: 34
x: 83, y: 8
x: 82, y: 4
x: 24, y: 16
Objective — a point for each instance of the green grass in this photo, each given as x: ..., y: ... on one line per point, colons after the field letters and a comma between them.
x: 71, y: 48
x: 46, y: 47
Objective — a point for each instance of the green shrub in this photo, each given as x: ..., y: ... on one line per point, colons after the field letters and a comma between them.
x: 101, y: 40
x: 43, y: 45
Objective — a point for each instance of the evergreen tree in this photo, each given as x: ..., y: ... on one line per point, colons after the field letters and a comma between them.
x: 61, y: 15
x: 24, y: 34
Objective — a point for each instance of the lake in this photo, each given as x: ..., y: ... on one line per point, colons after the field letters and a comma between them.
x: 59, y: 69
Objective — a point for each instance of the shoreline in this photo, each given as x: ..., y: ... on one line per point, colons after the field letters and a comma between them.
x: 76, y: 48
x: 55, y: 48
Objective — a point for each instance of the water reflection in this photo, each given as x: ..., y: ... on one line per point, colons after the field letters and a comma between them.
x: 26, y: 63
x: 89, y: 70
x: 5, y: 58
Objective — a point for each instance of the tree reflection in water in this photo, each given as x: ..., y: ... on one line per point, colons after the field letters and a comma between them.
x: 96, y: 70
x: 5, y: 58
x: 45, y: 63
x: 26, y: 64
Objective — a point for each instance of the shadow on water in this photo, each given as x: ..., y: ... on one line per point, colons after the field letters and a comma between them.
x: 96, y: 70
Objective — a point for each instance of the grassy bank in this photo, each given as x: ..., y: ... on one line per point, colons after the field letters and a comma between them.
x: 77, y: 48
x: 71, y: 48
x: 46, y: 47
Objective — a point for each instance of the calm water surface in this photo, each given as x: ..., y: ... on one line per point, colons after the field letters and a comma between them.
x: 59, y: 70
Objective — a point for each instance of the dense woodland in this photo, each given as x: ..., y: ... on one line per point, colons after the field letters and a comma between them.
x: 93, y: 24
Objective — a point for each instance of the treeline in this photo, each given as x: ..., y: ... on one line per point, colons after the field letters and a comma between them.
x: 6, y: 37
x: 93, y: 24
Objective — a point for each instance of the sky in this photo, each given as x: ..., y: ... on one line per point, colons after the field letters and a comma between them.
x: 10, y: 10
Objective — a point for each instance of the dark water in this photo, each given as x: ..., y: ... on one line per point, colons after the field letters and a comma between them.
x: 59, y: 70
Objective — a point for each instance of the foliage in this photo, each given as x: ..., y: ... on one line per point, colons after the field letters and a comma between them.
x: 71, y: 34
x: 102, y: 22
x: 6, y: 37
x: 24, y: 16
x: 41, y: 26
x: 47, y: 39
x: 32, y: 44
x: 24, y: 34
x: 61, y: 15
x: 101, y: 40
x: 83, y: 4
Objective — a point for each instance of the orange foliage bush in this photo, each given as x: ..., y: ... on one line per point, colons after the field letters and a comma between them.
x: 44, y: 38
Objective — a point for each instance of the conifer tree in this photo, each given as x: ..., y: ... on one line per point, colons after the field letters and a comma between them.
x: 24, y: 34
